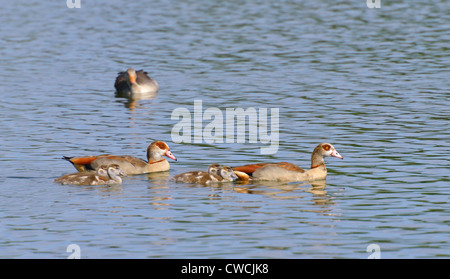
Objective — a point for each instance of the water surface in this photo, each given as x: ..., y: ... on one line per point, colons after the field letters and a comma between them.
x: 373, y: 82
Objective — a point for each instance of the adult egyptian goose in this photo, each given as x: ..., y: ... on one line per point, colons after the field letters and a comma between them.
x: 129, y: 164
x: 132, y: 82
x: 105, y: 175
x: 216, y: 173
x: 284, y: 171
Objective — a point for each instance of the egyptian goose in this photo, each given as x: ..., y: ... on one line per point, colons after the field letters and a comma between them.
x: 227, y: 174
x: 133, y: 82
x: 215, y: 174
x: 129, y: 164
x: 284, y: 171
x: 105, y: 175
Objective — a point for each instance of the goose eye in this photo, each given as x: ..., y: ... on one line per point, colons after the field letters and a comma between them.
x: 326, y: 147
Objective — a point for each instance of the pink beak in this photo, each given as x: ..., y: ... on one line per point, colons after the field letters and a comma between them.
x: 170, y: 155
x: 336, y: 154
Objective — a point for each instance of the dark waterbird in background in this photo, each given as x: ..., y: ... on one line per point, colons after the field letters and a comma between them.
x: 131, y: 83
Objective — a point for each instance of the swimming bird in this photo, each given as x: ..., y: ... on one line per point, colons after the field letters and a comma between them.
x: 216, y: 173
x: 105, y: 175
x: 284, y: 171
x: 129, y: 164
x: 132, y: 82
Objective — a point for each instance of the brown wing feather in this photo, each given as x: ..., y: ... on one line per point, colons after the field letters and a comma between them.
x: 83, y: 160
x: 85, y: 163
x: 290, y: 167
x: 81, y: 163
x: 249, y: 169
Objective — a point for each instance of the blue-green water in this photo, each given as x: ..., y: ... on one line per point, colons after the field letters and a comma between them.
x: 373, y: 82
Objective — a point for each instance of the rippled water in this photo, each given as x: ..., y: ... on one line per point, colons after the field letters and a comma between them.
x: 374, y: 82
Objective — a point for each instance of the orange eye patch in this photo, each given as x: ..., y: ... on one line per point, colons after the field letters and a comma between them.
x: 326, y: 147
x: 162, y: 145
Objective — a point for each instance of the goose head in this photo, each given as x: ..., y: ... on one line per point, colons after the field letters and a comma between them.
x: 158, y: 149
x: 214, y: 169
x: 115, y: 173
x: 321, y: 151
x: 114, y: 170
x: 131, y: 76
x: 326, y: 149
x: 227, y: 173
x: 102, y: 171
